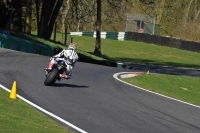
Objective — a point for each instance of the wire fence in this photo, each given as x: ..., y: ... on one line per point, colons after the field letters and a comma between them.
x: 142, y: 24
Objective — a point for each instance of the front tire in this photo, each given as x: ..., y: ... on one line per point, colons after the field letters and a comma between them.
x: 51, y: 78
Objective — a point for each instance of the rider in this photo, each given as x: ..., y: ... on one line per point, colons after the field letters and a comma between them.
x: 70, y: 57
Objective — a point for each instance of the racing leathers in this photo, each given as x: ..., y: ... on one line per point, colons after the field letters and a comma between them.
x: 70, y: 58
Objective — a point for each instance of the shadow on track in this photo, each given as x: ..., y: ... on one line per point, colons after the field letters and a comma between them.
x: 69, y: 85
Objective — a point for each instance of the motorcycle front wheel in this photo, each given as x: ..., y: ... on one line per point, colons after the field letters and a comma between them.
x: 51, y: 78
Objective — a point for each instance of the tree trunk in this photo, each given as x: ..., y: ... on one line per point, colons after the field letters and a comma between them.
x: 160, y: 11
x: 48, y: 17
x: 198, y: 10
x: 78, y: 25
x: 64, y: 14
x: 188, y: 10
x: 37, y: 6
x: 97, y: 50
x: 53, y: 19
x: 28, y: 17
x: 17, y: 15
x: 197, y: 15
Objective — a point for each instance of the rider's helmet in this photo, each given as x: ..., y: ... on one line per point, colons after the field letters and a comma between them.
x: 72, y: 46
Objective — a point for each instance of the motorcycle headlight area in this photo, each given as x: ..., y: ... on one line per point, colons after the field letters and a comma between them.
x: 60, y: 63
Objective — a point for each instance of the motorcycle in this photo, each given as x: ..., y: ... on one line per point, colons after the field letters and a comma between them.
x: 53, y: 75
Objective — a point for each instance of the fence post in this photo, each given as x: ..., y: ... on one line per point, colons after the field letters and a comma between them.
x: 71, y: 39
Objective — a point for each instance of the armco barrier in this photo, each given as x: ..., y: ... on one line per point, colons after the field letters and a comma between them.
x: 105, y: 35
x: 164, y: 41
x: 15, y: 43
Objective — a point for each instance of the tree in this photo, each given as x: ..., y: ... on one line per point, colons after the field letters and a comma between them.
x: 28, y: 17
x: 49, y: 13
x: 116, y: 5
x: 17, y: 15
x: 97, y: 50
x: 80, y: 15
x: 62, y: 15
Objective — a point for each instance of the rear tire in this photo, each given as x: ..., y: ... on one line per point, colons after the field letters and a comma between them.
x: 51, y: 78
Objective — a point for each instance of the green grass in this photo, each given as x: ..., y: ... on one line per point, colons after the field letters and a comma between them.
x: 184, y: 88
x: 16, y: 116
x: 130, y: 51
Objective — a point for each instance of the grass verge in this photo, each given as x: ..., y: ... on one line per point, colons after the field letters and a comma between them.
x: 16, y: 116
x: 184, y: 88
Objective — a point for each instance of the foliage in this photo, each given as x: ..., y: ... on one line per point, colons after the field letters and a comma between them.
x: 177, y: 18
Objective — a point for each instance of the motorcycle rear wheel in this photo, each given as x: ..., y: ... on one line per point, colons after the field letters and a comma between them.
x: 51, y: 78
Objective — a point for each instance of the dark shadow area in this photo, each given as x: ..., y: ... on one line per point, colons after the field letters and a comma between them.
x: 69, y: 85
x: 153, y: 62
x: 84, y: 58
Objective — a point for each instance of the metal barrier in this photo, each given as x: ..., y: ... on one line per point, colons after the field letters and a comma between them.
x: 10, y: 42
x: 105, y: 35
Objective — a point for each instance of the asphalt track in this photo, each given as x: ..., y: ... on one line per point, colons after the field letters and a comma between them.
x: 94, y: 101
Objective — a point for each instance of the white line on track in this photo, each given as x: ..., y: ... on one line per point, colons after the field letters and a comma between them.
x: 116, y: 77
x: 45, y: 111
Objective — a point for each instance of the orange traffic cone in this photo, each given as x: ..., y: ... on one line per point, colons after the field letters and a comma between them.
x: 148, y: 72
x: 13, y: 93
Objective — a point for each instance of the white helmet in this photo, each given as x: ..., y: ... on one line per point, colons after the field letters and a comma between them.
x: 72, y: 46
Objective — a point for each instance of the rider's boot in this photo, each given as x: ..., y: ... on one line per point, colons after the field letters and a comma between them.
x: 64, y: 76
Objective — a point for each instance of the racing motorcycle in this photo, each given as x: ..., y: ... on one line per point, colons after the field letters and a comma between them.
x: 53, y: 75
